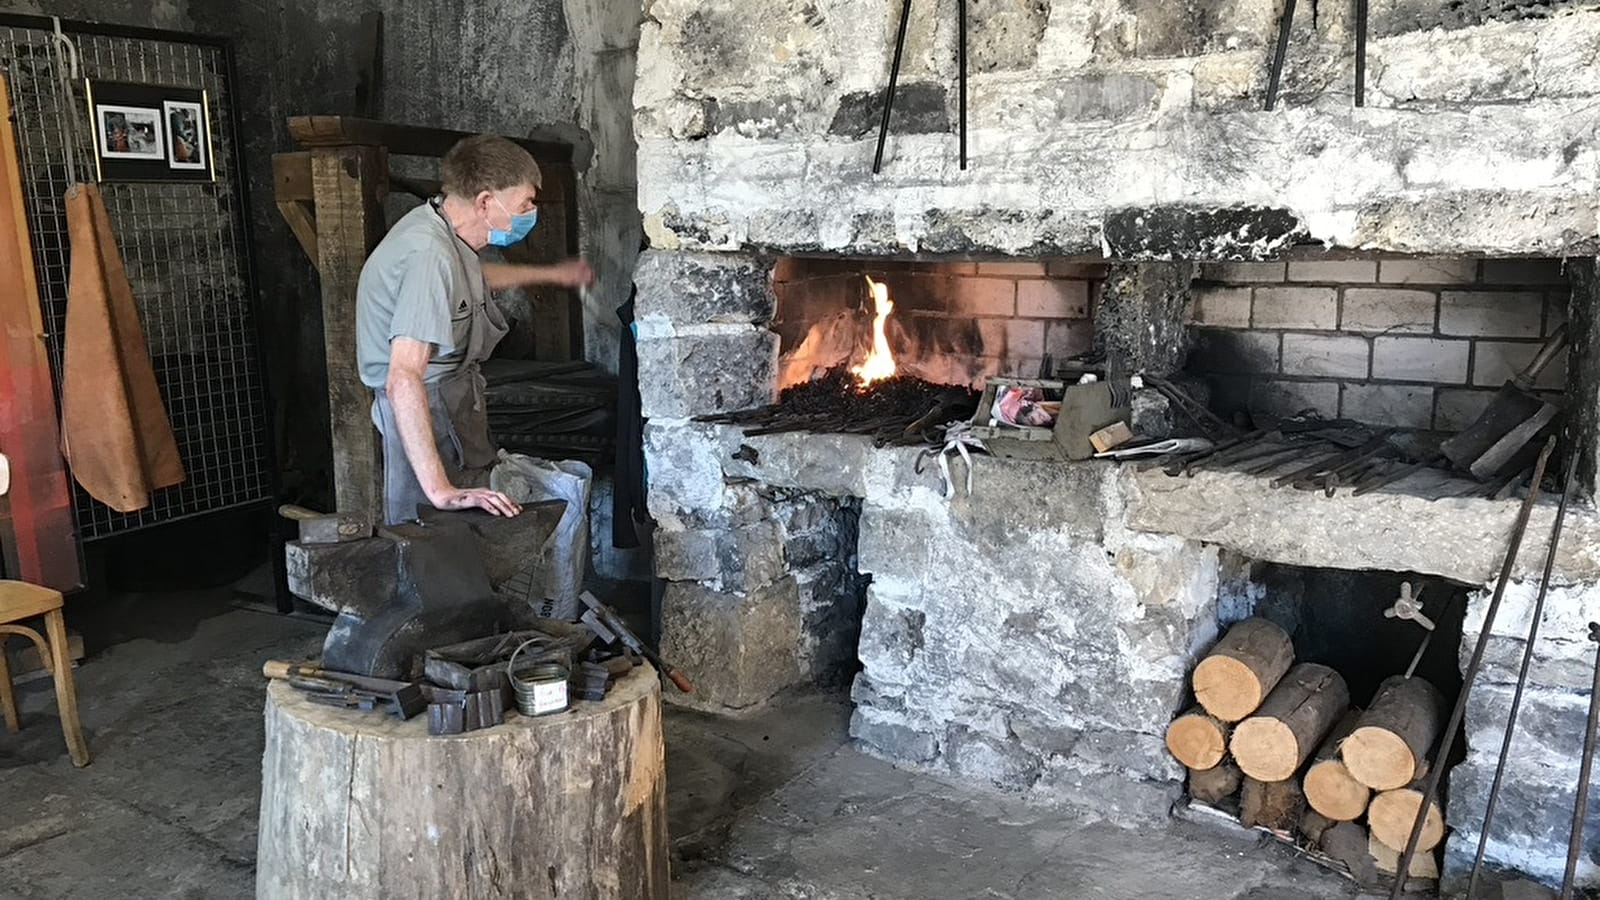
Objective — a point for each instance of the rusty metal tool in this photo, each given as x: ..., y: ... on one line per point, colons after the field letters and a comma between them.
x: 325, y: 528
x: 403, y: 698
x: 1470, y: 673
x: 1580, y: 806
x: 1274, y: 460
x: 1361, y: 52
x: 608, y: 626
x: 1275, y: 74
x: 1392, y: 476
x: 894, y: 76
x: 1570, y: 482
x: 1496, y: 440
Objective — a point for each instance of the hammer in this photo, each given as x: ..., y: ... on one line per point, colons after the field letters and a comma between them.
x: 326, y: 528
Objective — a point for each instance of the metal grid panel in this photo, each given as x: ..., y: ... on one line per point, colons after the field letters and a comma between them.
x: 183, y: 246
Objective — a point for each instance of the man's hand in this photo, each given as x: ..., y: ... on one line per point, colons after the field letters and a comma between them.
x: 572, y: 273
x: 474, y: 498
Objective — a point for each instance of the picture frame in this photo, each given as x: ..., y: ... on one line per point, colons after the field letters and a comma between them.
x: 146, y: 132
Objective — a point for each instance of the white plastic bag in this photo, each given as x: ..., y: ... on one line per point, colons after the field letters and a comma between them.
x: 551, y: 583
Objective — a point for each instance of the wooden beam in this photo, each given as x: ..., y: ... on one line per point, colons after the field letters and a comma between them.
x: 302, y: 223
x: 291, y: 176
x: 347, y: 183
x: 314, y: 132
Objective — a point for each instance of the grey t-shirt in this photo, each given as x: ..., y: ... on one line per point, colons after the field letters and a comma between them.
x: 421, y: 282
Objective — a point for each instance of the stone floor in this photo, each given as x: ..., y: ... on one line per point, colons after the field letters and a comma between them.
x: 777, y: 805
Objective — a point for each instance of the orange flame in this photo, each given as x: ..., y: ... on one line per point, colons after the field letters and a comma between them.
x: 879, y: 363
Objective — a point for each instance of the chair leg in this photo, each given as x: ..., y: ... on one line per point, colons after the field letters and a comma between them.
x: 66, y: 698
x: 8, y: 697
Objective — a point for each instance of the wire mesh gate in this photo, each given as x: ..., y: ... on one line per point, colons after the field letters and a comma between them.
x: 184, y: 246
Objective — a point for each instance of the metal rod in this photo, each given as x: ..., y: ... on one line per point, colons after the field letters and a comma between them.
x: 1276, y: 71
x: 1447, y: 743
x: 894, y: 75
x: 962, y: 53
x: 1522, y: 675
x: 1581, y: 805
x: 1361, y: 59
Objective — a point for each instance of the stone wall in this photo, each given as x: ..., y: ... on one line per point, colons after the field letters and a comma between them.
x: 1413, y: 343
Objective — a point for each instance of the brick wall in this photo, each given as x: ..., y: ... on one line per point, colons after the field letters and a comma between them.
x: 1414, y: 343
x: 953, y: 322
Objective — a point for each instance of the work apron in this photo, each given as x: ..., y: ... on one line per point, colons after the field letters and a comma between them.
x: 459, y: 415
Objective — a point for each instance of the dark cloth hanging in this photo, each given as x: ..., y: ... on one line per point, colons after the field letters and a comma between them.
x: 628, y: 511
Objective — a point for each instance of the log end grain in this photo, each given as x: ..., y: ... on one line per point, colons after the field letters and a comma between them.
x: 1266, y: 749
x: 1387, y: 860
x: 1334, y: 792
x: 1379, y: 758
x: 1197, y: 740
x: 1392, y: 814
x: 1227, y: 688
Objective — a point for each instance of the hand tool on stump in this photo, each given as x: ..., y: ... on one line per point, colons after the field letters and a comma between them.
x: 608, y: 626
x: 1498, y: 439
x: 1470, y: 673
x: 1580, y: 806
x: 1527, y: 662
x: 325, y: 528
x: 404, y: 698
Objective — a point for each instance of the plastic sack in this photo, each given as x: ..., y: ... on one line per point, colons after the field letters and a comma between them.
x: 552, y: 582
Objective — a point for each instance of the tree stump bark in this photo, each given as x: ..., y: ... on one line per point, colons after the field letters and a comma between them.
x: 1214, y: 785
x: 362, y: 805
x: 1330, y: 788
x: 1389, y: 746
x: 1197, y: 739
x: 1244, y: 667
x: 1277, y: 805
x: 1272, y: 744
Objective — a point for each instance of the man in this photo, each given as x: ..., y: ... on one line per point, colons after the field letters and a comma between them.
x: 424, y: 321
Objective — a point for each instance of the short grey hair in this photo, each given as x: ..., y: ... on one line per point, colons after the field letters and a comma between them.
x: 484, y: 162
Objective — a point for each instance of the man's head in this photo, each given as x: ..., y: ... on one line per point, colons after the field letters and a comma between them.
x: 491, y: 183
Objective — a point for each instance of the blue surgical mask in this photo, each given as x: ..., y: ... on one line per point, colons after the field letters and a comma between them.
x: 520, y: 226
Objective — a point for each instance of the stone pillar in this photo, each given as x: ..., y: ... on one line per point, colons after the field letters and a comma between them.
x: 1583, y: 368
x: 1141, y: 319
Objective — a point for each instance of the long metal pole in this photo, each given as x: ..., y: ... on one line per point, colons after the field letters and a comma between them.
x: 888, y: 94
x: 1361, y: 59
x: 962, y: 62
x: 1431, y: 790
x: 1580, y: 806
x: 1276, y: 71
x: 1522, y: 674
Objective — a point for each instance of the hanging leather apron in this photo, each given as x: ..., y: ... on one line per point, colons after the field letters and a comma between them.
x: 459, y: 415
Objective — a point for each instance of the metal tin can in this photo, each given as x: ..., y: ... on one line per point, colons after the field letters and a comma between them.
x: 541, y: 689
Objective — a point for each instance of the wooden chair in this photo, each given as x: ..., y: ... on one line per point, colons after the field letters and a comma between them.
x: 20, y: 600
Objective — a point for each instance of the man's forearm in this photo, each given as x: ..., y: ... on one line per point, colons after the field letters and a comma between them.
x: 504, y: 276
x: 409, y: 399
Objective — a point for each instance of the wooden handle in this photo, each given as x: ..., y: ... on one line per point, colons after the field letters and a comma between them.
x: 678, y: 679
x: 297, y: 513
x: 1552, y: 347
x: 277, y: 668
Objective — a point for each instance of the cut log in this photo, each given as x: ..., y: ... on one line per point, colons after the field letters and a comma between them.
x: 1330, y: 788
x: 1387, y: 859
x: 362, y: 805
x: 1392, y: 814
x: 1244, y: 667
x: 1388, y: 747
x: 1197, y: 739
x: 1313, y: 825
x: 1214, y: 785
x: 1348, y: 843
x: 1272, y: 744
x: 1277, y: 805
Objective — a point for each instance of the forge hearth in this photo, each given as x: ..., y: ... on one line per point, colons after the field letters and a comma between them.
x: 901, y: 409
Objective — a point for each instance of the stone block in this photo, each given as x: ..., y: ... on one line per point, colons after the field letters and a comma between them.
x: 919, y: 108
x: 1084, y: 271
x: 1235, y: 352
x: 738, y: 648
x: 982, y: 296
x: 1309, y: 308
x: 685, y: 472
x: 1420, y: 359
x: 1164, y: 233
x: 895, y: 543
x: 1388, y: 310
x: 1053, y: 299
x: 1394, y: 405
x: 1491, y: 314
x: 1448, y: 270
x: 700, y: 288
x: 1006, y: 763
x: 1288, y: 398
x: 1222, y: 307
x: 1496, y: 362
x: 1068, y: 337
x: 681, y: 376
x: 1108, y: 793
x: 892, y: 740
x: 1010, y: 269
x: 1459, y: 407
x: 892, y: 636
x: 1523, y: 273
x: 1244, y: 272
x: 1339, y: 356
x: 1334, y: 271
x: 1140, y: 754
x: 1117, y: 96
x: 686, y: 555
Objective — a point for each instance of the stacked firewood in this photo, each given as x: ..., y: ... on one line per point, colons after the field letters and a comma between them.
x: 1284, y: 738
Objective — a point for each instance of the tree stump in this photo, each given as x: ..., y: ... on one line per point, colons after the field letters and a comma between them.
x: 361, y: 804
x: 1244, y: 667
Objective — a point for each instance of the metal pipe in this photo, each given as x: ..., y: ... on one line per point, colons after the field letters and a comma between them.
x: 1581, y: 805
x: 1522, y: 675
x: 894, y: 75
x: 1447, y: 743
x: 1276, y: 71
x: 962, y: 62
x: 1361, y: 59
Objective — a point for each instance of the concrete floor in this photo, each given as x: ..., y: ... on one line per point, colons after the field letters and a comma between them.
x: 777, y: 805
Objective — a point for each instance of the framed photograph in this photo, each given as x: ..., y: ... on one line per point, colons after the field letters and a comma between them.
x: 186, y: 135
x: 147, y: 132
